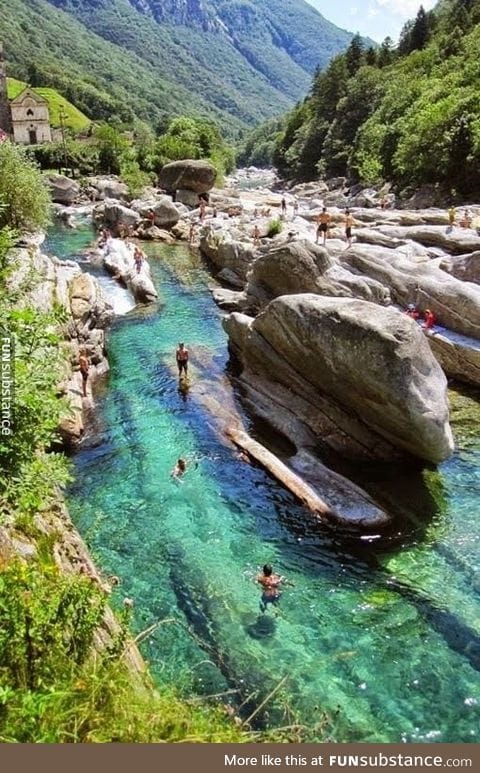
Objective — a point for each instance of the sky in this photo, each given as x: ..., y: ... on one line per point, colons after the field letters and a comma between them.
x: 375, y: 18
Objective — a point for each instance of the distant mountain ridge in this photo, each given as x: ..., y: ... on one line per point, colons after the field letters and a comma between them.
x: 237, y: 61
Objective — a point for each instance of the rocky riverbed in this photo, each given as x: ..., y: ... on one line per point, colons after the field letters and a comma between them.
x: 326, y: 354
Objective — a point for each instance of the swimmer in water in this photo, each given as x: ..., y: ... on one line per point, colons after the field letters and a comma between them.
x: 270, y: 583
x: 179, y: 469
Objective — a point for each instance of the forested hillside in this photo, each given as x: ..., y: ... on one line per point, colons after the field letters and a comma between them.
x: 410, y: 114
x: 237, y: 62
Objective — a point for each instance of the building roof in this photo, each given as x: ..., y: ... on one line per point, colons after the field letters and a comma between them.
x: 28, y: 93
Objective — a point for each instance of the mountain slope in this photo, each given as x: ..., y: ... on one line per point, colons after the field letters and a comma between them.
x: 235, y: 61
x: 73, y: 118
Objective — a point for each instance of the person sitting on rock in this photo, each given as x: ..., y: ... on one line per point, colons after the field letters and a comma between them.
x: 429, y: 320
x: 323, y: 223
x: 150, y: 218
x: 84, y: 364
x: 412, y: 311
x: 270, y: 583
x: 182, y: 359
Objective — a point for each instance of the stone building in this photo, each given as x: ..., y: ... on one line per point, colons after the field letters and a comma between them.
x: 26, y: 117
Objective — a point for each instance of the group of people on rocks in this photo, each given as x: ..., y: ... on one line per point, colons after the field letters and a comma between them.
x: 465, y: 220
x: 324, y: 221
x: 427, y: 317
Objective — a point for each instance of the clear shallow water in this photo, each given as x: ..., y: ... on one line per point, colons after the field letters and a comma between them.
x: 388, y: 634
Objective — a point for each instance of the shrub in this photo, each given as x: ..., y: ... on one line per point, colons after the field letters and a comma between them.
x: 275, y: 227
x: 23, y: 193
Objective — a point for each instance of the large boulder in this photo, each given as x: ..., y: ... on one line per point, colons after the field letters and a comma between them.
x: 63, y: 190
x: 109, y: 188
x: 197, y: 176
x: 456, y: 241
x: 465, y: 267
x: 419, y: 280
x: 303, y: 267
x: 87, y: 302
x: 366, y: 368
x: 225, y: 252
x: 118, y: 259
x: 166, y: 213
x: 115, y: 214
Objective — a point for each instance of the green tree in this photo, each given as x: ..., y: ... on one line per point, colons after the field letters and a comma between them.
x: 23, y: 192
x: 354, y: 54
x: 111, y: 145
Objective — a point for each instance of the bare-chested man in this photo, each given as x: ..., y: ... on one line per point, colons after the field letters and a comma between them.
x: 84, y: 363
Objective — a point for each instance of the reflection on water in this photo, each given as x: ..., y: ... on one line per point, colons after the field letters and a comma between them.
x: 388, y: 633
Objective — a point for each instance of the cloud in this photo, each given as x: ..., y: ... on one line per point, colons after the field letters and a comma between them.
x: 353, y: 10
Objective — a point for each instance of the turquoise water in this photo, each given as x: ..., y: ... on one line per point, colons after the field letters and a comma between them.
x: 383, y: 635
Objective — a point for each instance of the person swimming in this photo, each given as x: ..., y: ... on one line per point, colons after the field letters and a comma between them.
x: 179, y: 469
x: 270, y: 583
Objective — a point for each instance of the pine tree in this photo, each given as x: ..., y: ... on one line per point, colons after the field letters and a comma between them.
x: 420, y: 31
x: 355, y: 54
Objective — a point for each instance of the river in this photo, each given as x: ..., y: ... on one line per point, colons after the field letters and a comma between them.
x: 377, y: 640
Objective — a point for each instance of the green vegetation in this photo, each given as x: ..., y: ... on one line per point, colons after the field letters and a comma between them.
x: 193, y: 138
x: 275, y: 227
x: 259, y: 147
x: 55, y: 686
x: 24, y: 201
x: 230, y: 61
x: 409, y: 115
x: 74, y: 119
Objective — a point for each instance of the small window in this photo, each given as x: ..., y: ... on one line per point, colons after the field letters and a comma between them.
x: 30, y: 111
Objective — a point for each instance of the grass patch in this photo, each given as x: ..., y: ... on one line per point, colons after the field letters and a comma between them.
x: 74, y: 118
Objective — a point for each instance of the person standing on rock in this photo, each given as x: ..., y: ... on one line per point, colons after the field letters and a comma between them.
x: 348, y: 227
x: 191, y: 233
x: 182, y: 359
x: 256, y: 236
x: 323, y: 221
x: 284, y: 207
x: 84, y: 363
x: 202, y: 207
x: 138, y: 258
x: 295, y: 208
x: 451, y: 216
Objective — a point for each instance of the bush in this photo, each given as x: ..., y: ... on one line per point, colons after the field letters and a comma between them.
x: 275, y: 227
x: 24, y: 196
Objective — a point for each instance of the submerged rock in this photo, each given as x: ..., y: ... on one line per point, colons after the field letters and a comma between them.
x: 357, y: 369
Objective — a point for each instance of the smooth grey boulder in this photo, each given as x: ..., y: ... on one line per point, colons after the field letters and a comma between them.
x: 166, y: 213
x: 63, y: 190
x: 225, y: 252
x: 115, y: 214
x: 464, y: 267
x: 454, y: 240
x: 368, y: 369
x: 118, y: 260
x: 197, y: 176
x: 304, y: 267
x: 419, y: 280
